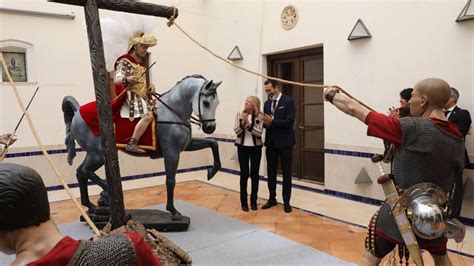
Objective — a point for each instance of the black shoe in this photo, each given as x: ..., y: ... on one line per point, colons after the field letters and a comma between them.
x: 288, y: 208
x: 269, y: 204
x: 245, y: 208
x: 253, y: 207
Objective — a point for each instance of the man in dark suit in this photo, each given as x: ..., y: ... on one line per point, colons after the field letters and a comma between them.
x: 278, y: 119
x: 462, y: 119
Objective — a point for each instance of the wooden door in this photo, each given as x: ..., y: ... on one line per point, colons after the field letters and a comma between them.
x: 304, y: 66
x: 289, y: 69
x: 311, y: 125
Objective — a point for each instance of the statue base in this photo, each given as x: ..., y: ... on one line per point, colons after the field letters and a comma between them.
x: 151, y: 219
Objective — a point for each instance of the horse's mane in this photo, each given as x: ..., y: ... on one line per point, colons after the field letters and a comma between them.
x: 198, y: 76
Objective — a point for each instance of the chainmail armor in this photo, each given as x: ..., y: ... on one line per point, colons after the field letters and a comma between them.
x: 427, y: 154
x: 115, y: 249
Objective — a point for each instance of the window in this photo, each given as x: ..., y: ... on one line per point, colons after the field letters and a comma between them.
x: 16, y: 64
x: 18, y: 56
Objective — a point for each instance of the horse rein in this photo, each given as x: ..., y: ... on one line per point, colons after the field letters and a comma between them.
x: 197, y: 121
x: 158, y: 97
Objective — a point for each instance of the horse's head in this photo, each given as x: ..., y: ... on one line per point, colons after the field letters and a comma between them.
x: 205, y: 104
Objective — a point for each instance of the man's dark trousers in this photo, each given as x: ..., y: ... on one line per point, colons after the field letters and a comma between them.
x: 284, y: 154
x: 279, y: 142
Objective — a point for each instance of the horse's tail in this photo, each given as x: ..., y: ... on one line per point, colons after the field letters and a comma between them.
x: 70, y: 107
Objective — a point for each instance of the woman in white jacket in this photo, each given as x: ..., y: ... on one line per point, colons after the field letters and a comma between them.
x: 248, y: 127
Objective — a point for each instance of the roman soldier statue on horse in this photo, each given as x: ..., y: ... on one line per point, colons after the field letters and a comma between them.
x: 146, y: 123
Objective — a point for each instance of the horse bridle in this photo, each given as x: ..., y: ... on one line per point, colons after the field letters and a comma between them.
x: 197, y: 121
x: 200, y: 120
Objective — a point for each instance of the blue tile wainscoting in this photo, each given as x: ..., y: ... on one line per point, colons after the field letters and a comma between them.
x: 134, y: 177
x: 465, y: 220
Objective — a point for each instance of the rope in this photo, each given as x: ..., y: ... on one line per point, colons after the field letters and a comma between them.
x: 172, y: 21
x: 38, y: 140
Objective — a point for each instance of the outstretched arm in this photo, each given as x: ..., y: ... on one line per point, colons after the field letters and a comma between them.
x: 346, y: 104
x: 378, y: 125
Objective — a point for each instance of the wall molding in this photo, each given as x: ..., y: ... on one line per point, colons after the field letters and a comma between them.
x: 37, y: 13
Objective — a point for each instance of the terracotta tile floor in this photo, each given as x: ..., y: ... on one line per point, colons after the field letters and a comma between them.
x: 335, y: 238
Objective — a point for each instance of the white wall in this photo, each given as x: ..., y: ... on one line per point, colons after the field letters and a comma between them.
x: 62, y: 67
x: 219, y: 25
x: 62, y: 63
x: 411, y: 40
x: 176, y: 56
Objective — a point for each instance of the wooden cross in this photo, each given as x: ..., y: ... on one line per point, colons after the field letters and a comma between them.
x: 96, y: 48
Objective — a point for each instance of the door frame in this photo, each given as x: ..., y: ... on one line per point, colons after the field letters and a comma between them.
x: 296, y: 91
x: 293, y: 56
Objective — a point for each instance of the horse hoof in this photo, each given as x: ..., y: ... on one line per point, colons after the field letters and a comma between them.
x: 177, y: 216
x: 209, y: 174
x: 213, y: 171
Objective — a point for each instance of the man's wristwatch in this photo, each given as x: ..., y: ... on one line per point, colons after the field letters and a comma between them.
x: 330, y: 96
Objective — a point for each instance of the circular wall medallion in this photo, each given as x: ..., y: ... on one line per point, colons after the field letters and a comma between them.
x: 289, y: 17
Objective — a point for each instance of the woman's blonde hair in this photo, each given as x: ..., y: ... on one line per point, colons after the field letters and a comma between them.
x: 256, y: 104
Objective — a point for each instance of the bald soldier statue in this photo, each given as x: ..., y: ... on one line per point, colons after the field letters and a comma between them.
x: 26, y: 229
x: 420, y: 163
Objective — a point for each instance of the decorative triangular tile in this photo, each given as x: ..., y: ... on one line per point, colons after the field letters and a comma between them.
x: 359, y: 31
x: 235, y: 54
x: 469, y: 189
x: 363, y: 177
x: 467, y: 12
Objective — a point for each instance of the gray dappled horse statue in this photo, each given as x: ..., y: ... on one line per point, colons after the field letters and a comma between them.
x: 193, y: 94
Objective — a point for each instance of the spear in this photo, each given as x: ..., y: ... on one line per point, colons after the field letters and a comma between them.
x: 146, y: 70
x: 28, y: 106
x: 4, y: 152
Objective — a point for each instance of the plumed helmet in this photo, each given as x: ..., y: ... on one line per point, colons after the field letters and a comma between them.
x: 141, y: 38
x: 120, y: 31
